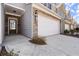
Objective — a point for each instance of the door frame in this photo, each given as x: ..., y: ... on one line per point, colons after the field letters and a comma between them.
x: 9, y: 24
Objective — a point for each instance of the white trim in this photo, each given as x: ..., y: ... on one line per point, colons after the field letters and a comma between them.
x: 41, y: 7
x: 58, y: 6
x: 12, y: 14
x: 15, y: 7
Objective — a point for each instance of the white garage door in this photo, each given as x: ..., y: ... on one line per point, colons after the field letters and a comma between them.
x: 67, y: 27
x: 47, y: 25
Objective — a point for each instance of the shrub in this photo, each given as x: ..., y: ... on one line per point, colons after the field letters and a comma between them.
x: 3, y: 52
x: 38, y: 40
x: 77, y: 29
x: 66, y: 31
x: 72, y: 31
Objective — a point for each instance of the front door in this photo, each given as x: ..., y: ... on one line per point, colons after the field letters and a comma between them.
x: 12, y: 25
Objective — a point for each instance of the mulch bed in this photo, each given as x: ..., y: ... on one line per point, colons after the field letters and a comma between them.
x: 38, y: 41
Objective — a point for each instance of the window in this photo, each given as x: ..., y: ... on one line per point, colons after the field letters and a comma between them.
x: 45, y: 4
x: 49, y: 6
x: 12, y: 24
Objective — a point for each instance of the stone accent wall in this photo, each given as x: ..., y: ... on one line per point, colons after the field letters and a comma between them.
x: 35, y: 23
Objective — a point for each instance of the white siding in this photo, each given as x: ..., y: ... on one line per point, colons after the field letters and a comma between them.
x: 67, y: 27
x: 47, y: 25
x: 26, y: 21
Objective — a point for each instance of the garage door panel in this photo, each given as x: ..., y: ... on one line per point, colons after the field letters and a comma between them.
x: 47, y: 25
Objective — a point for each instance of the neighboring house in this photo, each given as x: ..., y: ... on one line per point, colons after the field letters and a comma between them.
x: 61, y: 11
x: 67, y: 25
x: 68, y: 21
x: 77, y: 26
x: 73, y: 24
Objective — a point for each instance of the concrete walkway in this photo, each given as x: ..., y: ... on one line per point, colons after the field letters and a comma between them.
x: 58, y: 45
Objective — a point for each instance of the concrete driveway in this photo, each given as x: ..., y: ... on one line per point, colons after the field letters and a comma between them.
x: 57, y: 45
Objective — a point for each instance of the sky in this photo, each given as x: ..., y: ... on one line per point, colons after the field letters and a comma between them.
x: 74, y: 10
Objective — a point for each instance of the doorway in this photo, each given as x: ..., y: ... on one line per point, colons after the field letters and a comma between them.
x: 12, y: 25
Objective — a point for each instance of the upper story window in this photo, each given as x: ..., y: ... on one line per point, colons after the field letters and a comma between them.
x: 47, y: 5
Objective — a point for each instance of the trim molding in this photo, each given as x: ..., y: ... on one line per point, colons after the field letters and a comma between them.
x: 12, y: 14
x: 15, y: 7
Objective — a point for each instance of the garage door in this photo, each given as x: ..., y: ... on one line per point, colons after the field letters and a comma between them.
x: 47, y: 25
x: 67, y: 27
